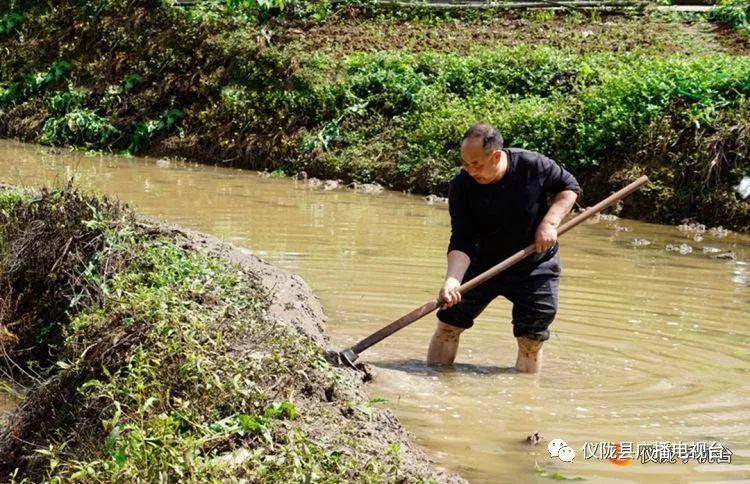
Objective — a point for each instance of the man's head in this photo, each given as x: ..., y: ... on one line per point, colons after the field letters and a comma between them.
x: 481, y: 152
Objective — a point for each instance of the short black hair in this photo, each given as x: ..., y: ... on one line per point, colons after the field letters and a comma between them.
x: 490, y: 136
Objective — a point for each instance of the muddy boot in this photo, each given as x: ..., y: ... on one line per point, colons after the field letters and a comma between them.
x: 443, y: 345
x: 529, y: 358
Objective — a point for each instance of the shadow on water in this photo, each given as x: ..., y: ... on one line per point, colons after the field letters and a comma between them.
x: 419, y: 367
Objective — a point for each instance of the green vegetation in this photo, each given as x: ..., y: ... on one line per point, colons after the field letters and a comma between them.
x: 151, y: 360
x: 9, y: 21
x: 734, y: 13
x: 289, y: 85
x: 594, y: 112
x: 23, y: 86
x: 80, y: 127
x: 144, y: 131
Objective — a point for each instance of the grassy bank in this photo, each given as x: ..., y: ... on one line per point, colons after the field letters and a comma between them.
x: 149, y: 358
x: 385, y: 96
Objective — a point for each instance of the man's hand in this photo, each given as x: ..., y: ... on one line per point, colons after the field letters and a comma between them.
x: 449, y: 294
x: 546, y: 233
x: 546, y: 236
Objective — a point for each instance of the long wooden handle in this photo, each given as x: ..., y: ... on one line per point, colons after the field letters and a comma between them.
x: 430, y: 306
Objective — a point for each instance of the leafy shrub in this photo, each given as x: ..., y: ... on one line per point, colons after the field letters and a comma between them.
x: 66, y: 101
x: 10, y: 22
x: 262, y: 5
x: 264, y: 10
x: 388, y: 83
x: 26, y: 85
x: 144, y: 131
x: 522, y: 70
x: 577, y: 108
x: 612, y: 115
x: 80, y: 127
x: 734, y: 13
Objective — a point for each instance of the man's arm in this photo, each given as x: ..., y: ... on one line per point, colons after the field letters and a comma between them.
x: 460, y: 246
x: 458, y: 264
x: 546, y: 233
x: 559, y: 181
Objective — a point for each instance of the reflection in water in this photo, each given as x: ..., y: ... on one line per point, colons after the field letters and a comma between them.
x: 648, y: 344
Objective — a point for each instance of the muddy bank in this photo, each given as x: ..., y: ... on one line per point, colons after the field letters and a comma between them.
x: 293, y: 302
x: 157, y: 353
x: 385, y: 99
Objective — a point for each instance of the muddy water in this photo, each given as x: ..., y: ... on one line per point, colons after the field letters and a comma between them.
x: 8, y: 399
x: 649, y: 345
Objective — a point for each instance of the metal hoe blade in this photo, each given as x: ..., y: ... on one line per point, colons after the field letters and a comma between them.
x: 349, y: 357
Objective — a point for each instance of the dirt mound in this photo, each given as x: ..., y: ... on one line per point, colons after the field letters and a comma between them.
x: 189, y: 359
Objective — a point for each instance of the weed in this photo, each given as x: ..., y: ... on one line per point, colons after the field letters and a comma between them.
x: 145, y: 131
x: 26, y: 85
x: 734, y: 13
x: 10, y: 22
x: 80, y: 127
x: 66, y: 101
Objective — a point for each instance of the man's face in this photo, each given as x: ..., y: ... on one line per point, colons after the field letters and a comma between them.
x: 482, y: 166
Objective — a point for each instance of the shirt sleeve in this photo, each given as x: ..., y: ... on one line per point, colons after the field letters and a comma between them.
x: 462, y: 228
x: 555, y: 178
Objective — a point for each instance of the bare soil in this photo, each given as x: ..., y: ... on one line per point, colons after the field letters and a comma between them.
x: 611, y: 34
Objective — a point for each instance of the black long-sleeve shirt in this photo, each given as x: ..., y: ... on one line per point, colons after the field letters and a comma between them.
x: 492, y: 222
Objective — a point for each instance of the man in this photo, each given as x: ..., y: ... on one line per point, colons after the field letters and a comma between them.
x: 498, y: 205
